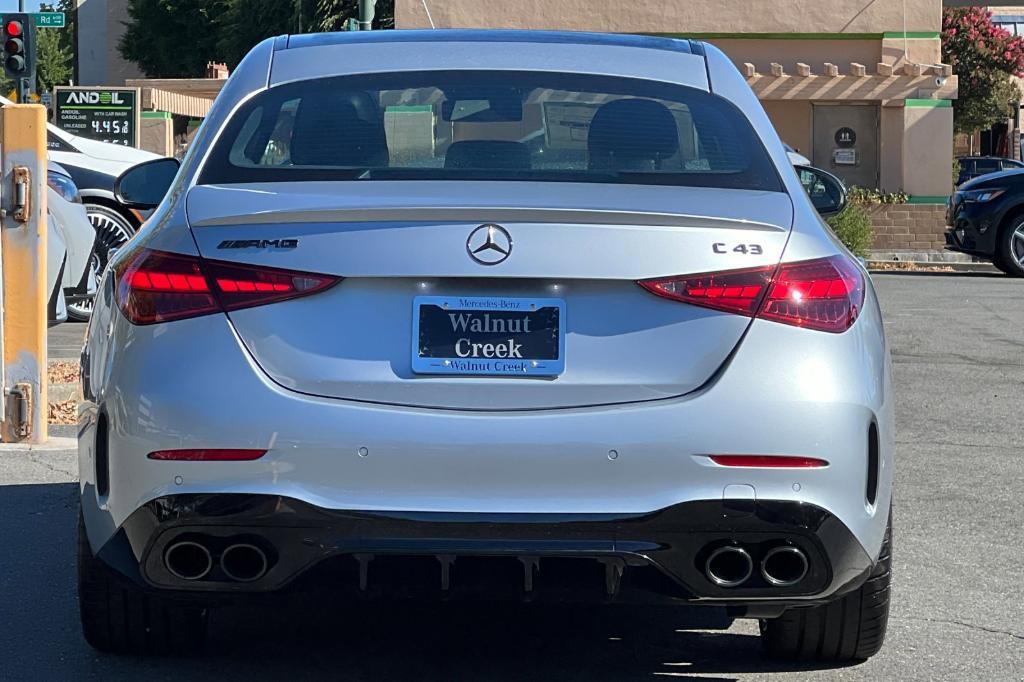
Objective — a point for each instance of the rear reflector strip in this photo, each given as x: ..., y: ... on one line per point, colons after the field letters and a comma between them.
x: 208, y: 455
x: 768, y: 461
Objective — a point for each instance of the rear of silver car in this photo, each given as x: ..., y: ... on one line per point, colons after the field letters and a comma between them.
x: 565, y: 317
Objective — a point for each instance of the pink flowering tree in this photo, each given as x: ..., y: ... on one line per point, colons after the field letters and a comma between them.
x: 983, y: 56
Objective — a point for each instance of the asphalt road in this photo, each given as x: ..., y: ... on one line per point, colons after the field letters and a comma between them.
x: 958, y: 610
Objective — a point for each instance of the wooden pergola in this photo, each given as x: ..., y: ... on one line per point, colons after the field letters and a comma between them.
x: 887, y: 83
x: 190, y: 97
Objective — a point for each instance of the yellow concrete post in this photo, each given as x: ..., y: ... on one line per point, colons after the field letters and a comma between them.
x: 23, y: 231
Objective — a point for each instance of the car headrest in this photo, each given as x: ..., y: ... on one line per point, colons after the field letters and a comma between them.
x: 631, y: 134
x: 488, y: 154
x: 329, y: 131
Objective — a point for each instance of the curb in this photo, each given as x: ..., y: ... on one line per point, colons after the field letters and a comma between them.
x: 52, y: 444
x: 938, y: 267
x: 58, y: 393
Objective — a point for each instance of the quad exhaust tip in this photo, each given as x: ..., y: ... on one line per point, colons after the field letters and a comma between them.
x: 729, y: 566
x: 243, y: 562
x: 784, y: 566
x: 188, y: 560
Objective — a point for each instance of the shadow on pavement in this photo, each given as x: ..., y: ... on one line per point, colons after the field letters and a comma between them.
x: 317, y: 637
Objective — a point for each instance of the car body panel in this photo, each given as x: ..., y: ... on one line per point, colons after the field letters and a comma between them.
x: 76, y: 230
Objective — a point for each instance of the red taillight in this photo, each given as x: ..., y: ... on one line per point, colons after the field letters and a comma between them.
x: 768, y: 461
x: 825, y: 294
x: 734, y: 291
x: 155, y: 286
x: 208, y: 455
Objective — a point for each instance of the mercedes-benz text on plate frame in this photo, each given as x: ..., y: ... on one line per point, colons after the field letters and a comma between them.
x: 488, y: 335
x: 489, y: 244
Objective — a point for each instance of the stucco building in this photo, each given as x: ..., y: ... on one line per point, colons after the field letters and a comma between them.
x: 856, y: 85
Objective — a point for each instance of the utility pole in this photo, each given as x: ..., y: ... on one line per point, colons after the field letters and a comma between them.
x: 366, y: 11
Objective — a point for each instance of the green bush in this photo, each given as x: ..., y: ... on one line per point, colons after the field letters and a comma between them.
x: 853, y: 227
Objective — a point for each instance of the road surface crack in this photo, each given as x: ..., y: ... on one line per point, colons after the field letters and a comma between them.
x: 971, y: 626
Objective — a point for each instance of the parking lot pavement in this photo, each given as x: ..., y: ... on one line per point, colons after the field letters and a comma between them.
x: 64, y: 342
x: 958, y: 610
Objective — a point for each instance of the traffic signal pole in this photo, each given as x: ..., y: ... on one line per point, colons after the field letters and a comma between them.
x: 23, y: 232
x: 366, y: 12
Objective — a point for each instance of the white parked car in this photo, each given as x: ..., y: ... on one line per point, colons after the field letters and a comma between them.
x: 80, y: 273
x: 56, y: 254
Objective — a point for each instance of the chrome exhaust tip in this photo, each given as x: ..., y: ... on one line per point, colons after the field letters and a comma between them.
x: 243, y: 562
x: 188, y: 560
x: 784, y: 566
x: 729, y: 566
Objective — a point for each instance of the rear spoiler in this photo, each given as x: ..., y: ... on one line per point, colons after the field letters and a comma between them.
x: 474, y: 214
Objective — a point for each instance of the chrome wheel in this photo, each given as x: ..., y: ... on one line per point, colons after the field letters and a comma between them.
x: 112, y: 231
x: 1017, y: 245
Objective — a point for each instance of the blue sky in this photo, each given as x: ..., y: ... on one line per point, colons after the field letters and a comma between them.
x: 12, y: 5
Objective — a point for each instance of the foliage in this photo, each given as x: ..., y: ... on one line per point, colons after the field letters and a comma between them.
x: 225, y: 30
x: 956, y: 171
x: 171, y: 38
x: 853, y: 227
x: 871, y: 197
x: 983, y: 56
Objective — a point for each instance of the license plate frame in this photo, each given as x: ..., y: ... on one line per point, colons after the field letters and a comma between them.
x: 507, y: 367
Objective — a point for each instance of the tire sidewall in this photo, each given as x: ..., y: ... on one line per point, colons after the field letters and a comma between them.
x: 1004, y: 250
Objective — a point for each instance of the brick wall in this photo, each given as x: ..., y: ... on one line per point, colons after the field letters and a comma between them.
x: 909, y: 227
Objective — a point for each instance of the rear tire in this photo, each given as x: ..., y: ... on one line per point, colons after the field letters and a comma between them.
x: 849, y: 629
x: 119, y: 617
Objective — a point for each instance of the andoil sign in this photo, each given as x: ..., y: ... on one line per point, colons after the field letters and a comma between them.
x: 105, y: 114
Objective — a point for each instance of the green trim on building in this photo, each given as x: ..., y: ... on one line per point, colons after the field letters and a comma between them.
x: 912, y: 35
x: 408, y: 108
x: 156, y: 114
x: 929, y: 103
x: 928, y: 200
x: 773, y: 36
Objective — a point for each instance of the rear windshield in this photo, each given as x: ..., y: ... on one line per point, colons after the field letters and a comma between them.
x: 480, y: 125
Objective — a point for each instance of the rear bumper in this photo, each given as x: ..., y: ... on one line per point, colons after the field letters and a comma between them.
x: 659, y: 555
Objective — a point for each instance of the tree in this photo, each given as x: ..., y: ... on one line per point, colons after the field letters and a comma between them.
x: 53, y: 61
x: 984, y: 57
x: 243, y: 23
x: 172, y: 38
x: 176, y: 38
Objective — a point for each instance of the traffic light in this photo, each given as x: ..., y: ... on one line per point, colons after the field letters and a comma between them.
x: 20, y: 52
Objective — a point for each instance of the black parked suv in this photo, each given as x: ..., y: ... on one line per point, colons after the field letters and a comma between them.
x: 986, y: 218
x: 973, y: 166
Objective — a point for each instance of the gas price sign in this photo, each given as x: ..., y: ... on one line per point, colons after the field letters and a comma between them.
x: 97, y: 113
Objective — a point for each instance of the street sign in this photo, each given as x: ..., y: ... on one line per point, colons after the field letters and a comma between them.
x: 98, y: 113
x: 48, y: 19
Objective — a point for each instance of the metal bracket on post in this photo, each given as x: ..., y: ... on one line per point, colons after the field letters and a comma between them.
x: 22, y: 196
x: 19, y: 409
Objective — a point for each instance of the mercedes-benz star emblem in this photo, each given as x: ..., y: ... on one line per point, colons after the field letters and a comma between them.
x: 489, y: 244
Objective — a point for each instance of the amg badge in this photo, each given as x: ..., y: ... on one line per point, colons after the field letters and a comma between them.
x: 258, y: 244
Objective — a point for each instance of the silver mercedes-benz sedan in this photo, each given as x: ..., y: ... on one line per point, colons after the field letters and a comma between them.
x: 489, y: 314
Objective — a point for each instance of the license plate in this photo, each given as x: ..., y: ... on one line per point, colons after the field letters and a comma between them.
x: 488, y: 335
